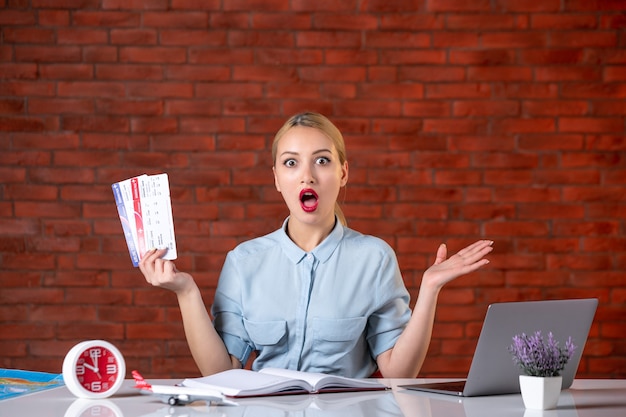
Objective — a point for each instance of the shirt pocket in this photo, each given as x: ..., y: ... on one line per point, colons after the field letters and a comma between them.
x: 337, y: 336
x: 268, y: 334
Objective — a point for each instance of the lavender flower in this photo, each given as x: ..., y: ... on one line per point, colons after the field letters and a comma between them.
x: 537, y: 357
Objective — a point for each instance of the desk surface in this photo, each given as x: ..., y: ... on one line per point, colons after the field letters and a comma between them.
x: 586, y: 398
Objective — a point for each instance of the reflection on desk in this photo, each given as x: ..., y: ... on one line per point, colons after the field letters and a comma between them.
x: 586, y: 398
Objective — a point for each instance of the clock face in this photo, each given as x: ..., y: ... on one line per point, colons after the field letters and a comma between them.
x: 94, y: 369
x: 97, y: 369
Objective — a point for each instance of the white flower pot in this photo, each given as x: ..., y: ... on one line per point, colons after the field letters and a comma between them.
x: 540, y: 393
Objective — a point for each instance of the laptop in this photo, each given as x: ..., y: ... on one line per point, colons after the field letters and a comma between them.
x: 492, y: 370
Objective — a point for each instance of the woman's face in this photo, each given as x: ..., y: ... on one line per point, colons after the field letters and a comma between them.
x: 308, y: 174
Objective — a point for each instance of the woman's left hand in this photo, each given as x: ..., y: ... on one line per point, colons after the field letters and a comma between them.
x: 463, y: 262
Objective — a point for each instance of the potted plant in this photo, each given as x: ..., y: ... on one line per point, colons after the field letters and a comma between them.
x: 541, y: 362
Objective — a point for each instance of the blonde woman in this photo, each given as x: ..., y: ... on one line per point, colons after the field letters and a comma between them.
x: 314, y: 295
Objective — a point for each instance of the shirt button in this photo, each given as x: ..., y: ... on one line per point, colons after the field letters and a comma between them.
x: 309, y: 256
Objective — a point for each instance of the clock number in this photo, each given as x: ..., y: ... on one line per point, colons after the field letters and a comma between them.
x: 111, y: 369
x: 96, y: 386
x: 95, y: 353
x: 80, y: 370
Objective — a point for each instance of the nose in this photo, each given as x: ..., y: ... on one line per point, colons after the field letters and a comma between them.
x: 307, y: 175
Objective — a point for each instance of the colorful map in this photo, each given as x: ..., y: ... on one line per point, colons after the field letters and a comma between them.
x: 14, y: 382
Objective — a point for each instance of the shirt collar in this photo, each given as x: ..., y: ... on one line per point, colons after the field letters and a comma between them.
x: 322, y: 252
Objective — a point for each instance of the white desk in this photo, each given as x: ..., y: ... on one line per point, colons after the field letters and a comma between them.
x: 586, y: 398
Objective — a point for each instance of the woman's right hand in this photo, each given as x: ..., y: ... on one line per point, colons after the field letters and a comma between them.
x: 162, y: 273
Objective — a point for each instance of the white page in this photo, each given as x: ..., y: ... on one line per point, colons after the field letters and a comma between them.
x: 236, y: 382
x: 314, y: 378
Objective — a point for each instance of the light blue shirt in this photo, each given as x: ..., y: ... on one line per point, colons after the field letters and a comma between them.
x: 331, y: 310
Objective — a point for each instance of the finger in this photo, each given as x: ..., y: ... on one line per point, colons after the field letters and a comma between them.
x: 476, y: 247
x: 145, y: 264
x: 169, y: 267
x: 442, y: 254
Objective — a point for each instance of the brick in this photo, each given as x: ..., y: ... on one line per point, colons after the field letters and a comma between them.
x: 457, y: 90
x: 306, y: 92
x: 106, y: 18
x: 224, y: 56
x: 338, y: 39
x: 270, y: 56
x: 461, y: 40
x: 573, y: 39
x: 516, y: 125
x: 528, y: 6
x: 613, y: 193
x: 606, y: 142
x: 514, y: 40
x: 29, y: 35
x: 17, y: 17
x: 21, y: 332
x: 491, y: 57
x: 485, y: 21
x: 425, y: 73
x: 268, y: 20
x: 197, y: 73
x: 146, y: 331
x: 591, y: 125
x: 81, y: 36
x: 18, y: 71
x: 457, y: 6
x: 485, y: 108
x: 137, y: 72
x: 555, y: 56
x: 578, y: 261
x: 594, y: 90
x: 47, y: 53
x: 571, y: 142
x: 173, y: 19
x: 66, y: 71
x: 563, y: 21
x: 413, y: 21
x: 464, y: 126
x: 195, y: 4
x: 578, y: 177
x: 134, y: 36
x: 100, y: 53
x: 417, y: 57
x: 393, y: 39
x: 277, y: 5
x: 155, y: 54
x: 12, y: 106
x: 53, y: 17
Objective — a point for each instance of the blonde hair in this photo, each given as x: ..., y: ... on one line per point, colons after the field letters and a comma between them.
x: 321, y: 123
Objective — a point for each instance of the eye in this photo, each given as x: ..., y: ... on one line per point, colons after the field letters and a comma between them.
x: 322, y: 160
x: 289, y: 162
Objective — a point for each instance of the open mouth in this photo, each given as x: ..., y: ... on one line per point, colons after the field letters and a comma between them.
x: 308, y: 200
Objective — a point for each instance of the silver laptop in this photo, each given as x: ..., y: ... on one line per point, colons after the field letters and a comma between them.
x: 492, y: 370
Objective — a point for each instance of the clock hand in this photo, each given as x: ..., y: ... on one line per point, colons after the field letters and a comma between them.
x: 94, y: 369
x: 94, y: 359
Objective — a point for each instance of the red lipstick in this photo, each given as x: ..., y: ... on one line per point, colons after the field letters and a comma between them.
x: 308, y: 200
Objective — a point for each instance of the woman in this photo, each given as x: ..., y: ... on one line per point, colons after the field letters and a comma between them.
x: 313, y: 295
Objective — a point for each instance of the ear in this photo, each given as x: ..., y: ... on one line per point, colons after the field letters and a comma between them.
x: 275, y: 180
x: 344, y: 174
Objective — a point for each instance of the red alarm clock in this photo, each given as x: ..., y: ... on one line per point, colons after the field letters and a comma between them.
x: 94, y: 369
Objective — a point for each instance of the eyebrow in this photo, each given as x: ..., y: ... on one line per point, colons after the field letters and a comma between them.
x: 314, y: 153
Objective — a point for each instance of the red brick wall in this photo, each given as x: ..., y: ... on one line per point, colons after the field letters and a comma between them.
x: 499, y: 119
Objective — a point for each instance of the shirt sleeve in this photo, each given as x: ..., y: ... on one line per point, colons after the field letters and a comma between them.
x: 227, y: 311
x: 392, y: 312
